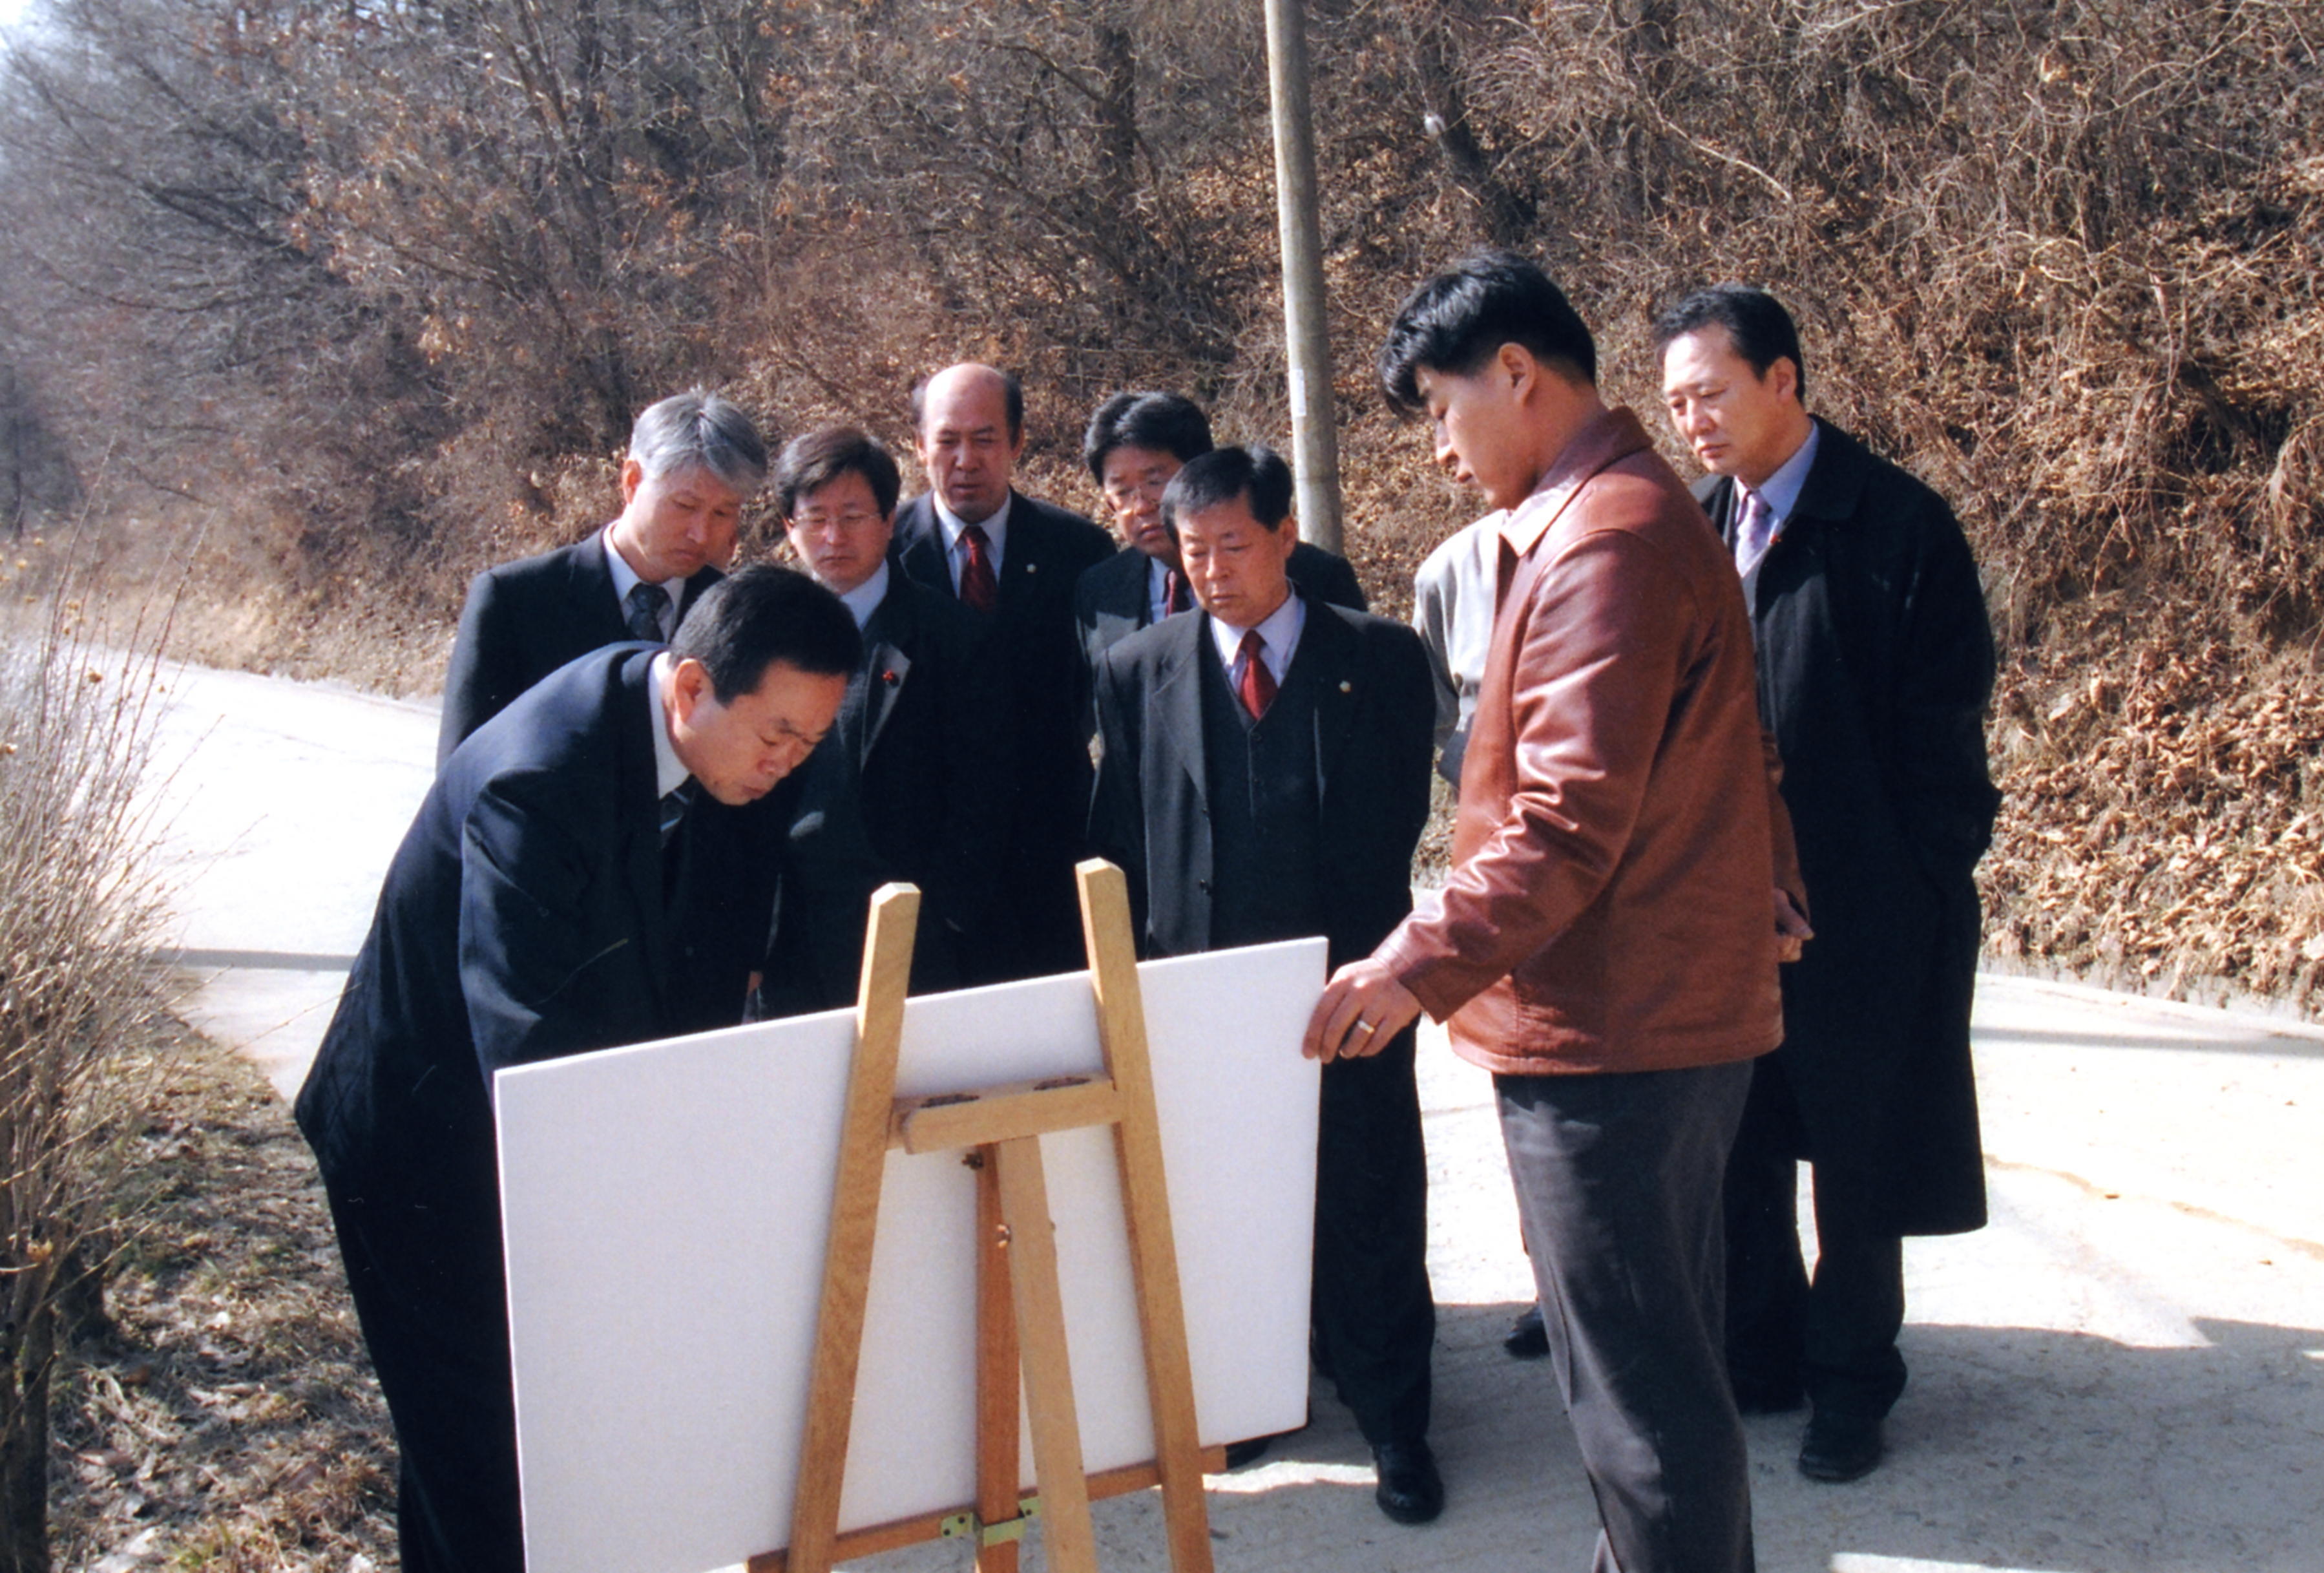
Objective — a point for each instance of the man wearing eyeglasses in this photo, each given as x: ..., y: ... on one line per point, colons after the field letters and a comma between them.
x: 913, y: 783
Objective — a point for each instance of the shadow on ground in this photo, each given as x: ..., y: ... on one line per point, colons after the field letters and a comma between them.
x: 2013, y: 1449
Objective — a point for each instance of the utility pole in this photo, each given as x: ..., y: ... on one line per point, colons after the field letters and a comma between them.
x: 1314, y: 435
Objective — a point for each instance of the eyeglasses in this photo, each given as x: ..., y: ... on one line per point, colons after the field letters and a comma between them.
x: 814, y: 519
x: 1120, y: 494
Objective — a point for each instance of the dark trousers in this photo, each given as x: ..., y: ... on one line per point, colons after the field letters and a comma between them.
x: 434, y: 1313
x: 1834, y: 1333
x: 1617, y: 1186
x: 1373, y: 1318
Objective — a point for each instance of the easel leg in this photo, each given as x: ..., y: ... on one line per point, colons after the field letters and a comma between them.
x: 997, y: 1380
x: 1153, y: 1252
x: 1067, y: 1530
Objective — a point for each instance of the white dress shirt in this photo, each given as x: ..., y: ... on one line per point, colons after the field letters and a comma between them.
x: 669, y: 772
x: 864, y: 598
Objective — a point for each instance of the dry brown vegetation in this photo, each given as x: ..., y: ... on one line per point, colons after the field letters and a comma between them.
x: 224, y: 1417
x: 366, y: 295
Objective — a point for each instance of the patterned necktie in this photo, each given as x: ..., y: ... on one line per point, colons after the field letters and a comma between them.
x: 1254, y: 684
x: 1175, y: 596
x: 645, y: 604
x: 1753, y: 531
x: 978, y: 588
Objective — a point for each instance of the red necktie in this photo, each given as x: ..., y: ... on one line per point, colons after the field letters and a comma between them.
x: 1256, y: 686
x: 978, y: 588
x: 1174, y: 592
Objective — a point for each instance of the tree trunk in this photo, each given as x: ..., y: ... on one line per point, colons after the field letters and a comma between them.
x: 24, y: 1371
x: 1507, y: 217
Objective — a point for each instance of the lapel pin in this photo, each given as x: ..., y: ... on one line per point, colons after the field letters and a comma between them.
x: 889, y: 678
x: 1347, y: 688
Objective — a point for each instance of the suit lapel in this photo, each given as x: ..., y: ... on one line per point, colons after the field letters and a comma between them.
x: 1021, y: 560
x: 1328, y: 657
x: 1178, y: 695
x: 593, y: 591
x: 919, y: 550
x: 889, y: 664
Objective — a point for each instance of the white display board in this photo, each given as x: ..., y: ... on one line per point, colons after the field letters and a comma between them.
x: 665, y: 1208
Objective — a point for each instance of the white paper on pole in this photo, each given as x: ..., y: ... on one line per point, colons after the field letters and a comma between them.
x: 665, y: 1208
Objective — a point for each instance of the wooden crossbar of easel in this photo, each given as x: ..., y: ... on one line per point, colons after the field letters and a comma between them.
x: 1020, y: 1310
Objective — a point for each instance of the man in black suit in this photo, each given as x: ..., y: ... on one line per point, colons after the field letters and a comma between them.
x: 913, y: 783
x: 693, y: 458
x: 1875, y: 665
x: 1135, y: 443
x: 1264, y: 776
x: 1012, y: 559
x: 578, y: 877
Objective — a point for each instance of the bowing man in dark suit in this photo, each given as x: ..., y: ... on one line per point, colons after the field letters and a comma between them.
x: 1135, y: 443
x: 1875, y: 665
x: 913, y: 784
x: 1012, y: 559
x: 693, y: 458
x: 1264, y: 776
x: 577, y: 878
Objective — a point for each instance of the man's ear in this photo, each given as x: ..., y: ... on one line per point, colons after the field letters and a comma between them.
x: 689, y: 685
x: 633, y: 476
x: 1783, y: 377
x: 1516, y: 364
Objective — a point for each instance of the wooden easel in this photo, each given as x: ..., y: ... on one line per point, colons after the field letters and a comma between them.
x: 1021, y: 1312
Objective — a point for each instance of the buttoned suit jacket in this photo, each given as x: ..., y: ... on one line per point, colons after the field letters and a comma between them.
x: 531, y: 913
x: 1373, y: 1318
x: 1876, y: 662
x: 1031, y: 640
x: 1375, y: 710
x: 912, y: 784
x: 524, y: 619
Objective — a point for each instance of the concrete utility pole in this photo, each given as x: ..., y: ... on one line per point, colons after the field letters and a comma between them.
x: 1315, y: 436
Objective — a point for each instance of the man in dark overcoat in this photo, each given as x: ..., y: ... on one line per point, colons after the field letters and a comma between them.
x: 693, y: 458
x: 913, y: 783
x: 1264, y: 776
x: 580, y: 876
x: 1876, y: 662
x: 1012, y: 559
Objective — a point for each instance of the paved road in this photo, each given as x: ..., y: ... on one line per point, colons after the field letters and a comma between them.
x: 2126, y: 1372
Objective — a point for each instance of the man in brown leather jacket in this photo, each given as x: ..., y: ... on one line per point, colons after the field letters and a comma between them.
x: 1604, y: 944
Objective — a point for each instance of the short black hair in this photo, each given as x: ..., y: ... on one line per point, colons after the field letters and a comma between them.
x: 1013, y: 395
x: 1256, y: 474
x: 814, y: 459
x: 1757, y: 324
x: 1168, y: 423
x: 749, y: 621
x: 1459, y: 320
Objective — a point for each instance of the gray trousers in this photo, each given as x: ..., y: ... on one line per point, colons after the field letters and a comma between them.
x: 1617, y: 1180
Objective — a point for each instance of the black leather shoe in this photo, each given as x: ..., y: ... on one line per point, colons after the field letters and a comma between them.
x: 1763, y: 1395
x: 1528, y: 1338
x: 1839, y: 1447
x: 1410, y: 1490
x: 1249, y: 1451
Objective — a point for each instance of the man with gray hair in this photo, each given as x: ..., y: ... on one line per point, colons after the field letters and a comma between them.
x: 693, y: 457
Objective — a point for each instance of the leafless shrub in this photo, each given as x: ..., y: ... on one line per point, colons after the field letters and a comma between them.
x: 79, y: 914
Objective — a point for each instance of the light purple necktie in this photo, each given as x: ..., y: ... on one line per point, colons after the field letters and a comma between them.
x: 1752, y: 531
